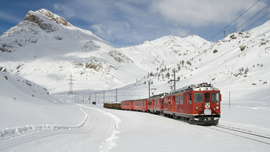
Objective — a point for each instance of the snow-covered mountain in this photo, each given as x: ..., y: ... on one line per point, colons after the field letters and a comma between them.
x: 165, y: 51
x: 239, y: 64
x: 47, y: 49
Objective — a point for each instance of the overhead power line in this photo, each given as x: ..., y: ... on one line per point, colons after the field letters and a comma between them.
x: 252, y: 17
x: 222, y: 30
x: 233, y: 21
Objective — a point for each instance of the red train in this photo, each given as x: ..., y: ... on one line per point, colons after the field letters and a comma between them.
x: 200, y: 104
x: 138, y: 105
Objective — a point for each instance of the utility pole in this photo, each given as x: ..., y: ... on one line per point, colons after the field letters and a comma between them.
x: 174, y: 81
x: 103, y: 97
x: 70, y: 84
x: 89, y: 99
x: 174, y: 85
x: 241, y: 26
x: 116, y: 95
x: 149, y: 88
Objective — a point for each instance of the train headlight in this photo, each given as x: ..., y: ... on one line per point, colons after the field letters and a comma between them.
x: 196, y: 108
x: 217, y: 107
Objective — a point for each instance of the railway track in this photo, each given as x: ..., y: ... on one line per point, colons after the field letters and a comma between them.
x: 243, y: 133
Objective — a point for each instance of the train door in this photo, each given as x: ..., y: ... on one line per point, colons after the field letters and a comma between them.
x: 165, y: 102
x: 188, y: 102
x: 173, y: 104
x: 181, y: 102
x: 161, y: 103
x: 207, y: 104
x: 207, y: 100
x: 169, y: 104
x: 177, y: 97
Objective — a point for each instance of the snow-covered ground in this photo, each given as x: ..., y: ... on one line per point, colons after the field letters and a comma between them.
x: 36, y: 55
x: 32, y: 120
x: 121, y: 131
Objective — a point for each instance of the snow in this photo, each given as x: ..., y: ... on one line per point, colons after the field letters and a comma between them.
x: 37, y: 114
x: 120, y: 130
x: 83, y: 127
x: 17, y: 131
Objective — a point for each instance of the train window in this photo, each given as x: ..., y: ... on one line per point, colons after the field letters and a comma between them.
x: 181, y: 99
x: 177, y: 99
x: 207, y: 97
x: 198, y: 97
x: 190, y: 98
x: 215, y: 97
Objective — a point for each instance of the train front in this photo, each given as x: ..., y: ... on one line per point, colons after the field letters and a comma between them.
x: 206, y: 105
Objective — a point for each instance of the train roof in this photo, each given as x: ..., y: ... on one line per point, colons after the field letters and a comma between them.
x: 202, y: 86
x: 134, y: 100
x: 158, y: 96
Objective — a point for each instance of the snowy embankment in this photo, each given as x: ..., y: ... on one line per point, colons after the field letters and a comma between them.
x: 22, y: 130
x: 26, y: 107
x: 100, y: 132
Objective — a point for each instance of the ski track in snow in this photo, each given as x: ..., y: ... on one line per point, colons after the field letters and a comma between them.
x: 14, y: 132
x: 10, y: 136
x: 111, y: 141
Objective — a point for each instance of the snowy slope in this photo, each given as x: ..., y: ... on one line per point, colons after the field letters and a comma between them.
x: 167, y: 50
x: 45, y: 50
x: 26, y: 103
x: 238, y: 63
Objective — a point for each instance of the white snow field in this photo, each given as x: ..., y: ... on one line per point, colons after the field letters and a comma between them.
x: 45, y: 123
x: 118, y: 130
x: 38, y: 55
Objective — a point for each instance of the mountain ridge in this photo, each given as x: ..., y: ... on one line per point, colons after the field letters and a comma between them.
x: 47, y: 56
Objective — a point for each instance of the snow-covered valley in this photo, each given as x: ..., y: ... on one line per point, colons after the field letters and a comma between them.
x: 119, y: 130
x: 38, y: 56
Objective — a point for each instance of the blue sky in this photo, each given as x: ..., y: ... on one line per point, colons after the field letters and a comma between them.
x: 131, y: 22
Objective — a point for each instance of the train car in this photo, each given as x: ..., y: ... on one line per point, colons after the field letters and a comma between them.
x: 127, y: 105
x: 199, y: 103
x: 116, y: 105
x: 140, y: 104
x: 112, y: 105
x: 156, y: 103
x: 150, y: 105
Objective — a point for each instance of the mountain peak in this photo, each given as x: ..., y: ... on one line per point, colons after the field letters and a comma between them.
x: 54, y: 17
x: 34, y: 17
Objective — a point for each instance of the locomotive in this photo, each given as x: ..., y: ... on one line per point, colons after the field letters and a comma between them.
x: 199, y: 104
